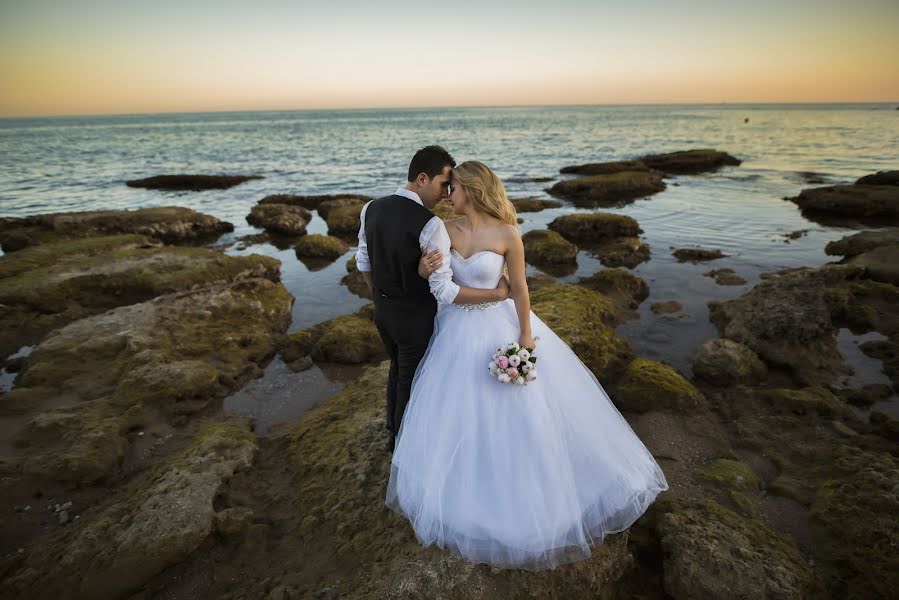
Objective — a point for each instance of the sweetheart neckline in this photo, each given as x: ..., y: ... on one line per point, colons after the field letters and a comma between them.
x: 466, y: 259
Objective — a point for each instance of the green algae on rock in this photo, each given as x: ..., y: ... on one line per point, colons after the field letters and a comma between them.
x: 550, y: 251
x: 649, y: 385
x: 726, y: 362
x: 595, y: 227
x: 131, y: 365
x: 730, y: 474
x: 325, y: 247
x: 619, y: 285
x: 344, y: 222
x: 283, y: 219
x: 348, y: 340
x: 170, y: 224
x: 311, y: 202
x: 159, y: 520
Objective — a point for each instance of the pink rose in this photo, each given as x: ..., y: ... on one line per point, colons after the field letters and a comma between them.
x: 503, y: 362
x: 513, y: 373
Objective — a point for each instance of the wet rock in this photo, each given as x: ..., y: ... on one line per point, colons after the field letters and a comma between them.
x: 874, y: 203
x: 190, y: 182
x: 880, y: 264
x: 865, y: 241
x: 232, y: 522
x: 606, y: 168
x: 787, y: 320
x: 585, y: 320
x: 622, y: 287
x: 159, y: 521
x: 725, y: 277
x: 883, y: 425
x: 649, y: 385
x: 325, y: 208
x: 343, y: 222
x: 354, y: 280
x: 321, y: 246
x: 711, y: 552
x: 50, y: 285
x: 282, y: 219
x: 549, y: 249
x: 615, y: 189
x: 170, y: 224
x: 595, y: 227
x: 795, y: 489
x: 810, y: 400
x: 856, y: 507
x: 697, y: 254
x: 621, y: 252
x: 347, y: 340
x: 724, y: 362
x: 730, y: 474
x: 300, y: 364
x: 880, y: 178
x: 311, y: 202
x: 526, y: 205
x: 671, y: 306
x: 161, y: 359
x: 687, y: 162
x: 867, y: 395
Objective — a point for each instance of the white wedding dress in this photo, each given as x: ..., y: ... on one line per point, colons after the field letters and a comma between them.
x: 513, y: 476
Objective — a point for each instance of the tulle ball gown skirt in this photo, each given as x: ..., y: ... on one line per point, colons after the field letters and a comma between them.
x: 514, y: 476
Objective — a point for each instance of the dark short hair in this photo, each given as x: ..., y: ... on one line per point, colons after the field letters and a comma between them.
x: 430, y: 160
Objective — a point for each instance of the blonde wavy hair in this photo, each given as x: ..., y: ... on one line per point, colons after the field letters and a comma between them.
x: 485, y: 191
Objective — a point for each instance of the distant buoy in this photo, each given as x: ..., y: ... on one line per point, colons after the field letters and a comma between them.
x: 746, y: 120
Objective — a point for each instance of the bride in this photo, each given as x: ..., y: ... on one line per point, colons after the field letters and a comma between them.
x: 510, y: 475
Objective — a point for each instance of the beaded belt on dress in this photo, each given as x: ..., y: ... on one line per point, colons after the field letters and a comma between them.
x: 478, y: 306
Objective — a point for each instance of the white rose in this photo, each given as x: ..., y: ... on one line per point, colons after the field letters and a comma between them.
x: 514, y: 360
x: 525, y: 367
x: 519, y: 381
x: 531, y: 374
x: 524, y: 354
x: 493, y: 368
x: 513, y: 346
x: 503, y: 378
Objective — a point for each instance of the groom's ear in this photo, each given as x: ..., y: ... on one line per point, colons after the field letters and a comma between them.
x: 422, y: 179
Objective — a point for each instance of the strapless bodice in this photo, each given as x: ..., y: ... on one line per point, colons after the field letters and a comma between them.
x: 480, y: 270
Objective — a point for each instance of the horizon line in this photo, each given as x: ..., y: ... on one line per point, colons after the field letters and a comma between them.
x: 439, y: 107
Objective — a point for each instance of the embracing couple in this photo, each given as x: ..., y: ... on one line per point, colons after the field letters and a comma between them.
x: 518, y: 476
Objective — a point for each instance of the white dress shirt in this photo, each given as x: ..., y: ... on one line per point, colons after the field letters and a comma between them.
x: 433, y: 236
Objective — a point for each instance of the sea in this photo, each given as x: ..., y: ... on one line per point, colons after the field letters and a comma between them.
x: 81, y: 163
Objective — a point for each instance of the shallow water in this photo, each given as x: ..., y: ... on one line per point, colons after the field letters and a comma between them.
x: 81, y: 163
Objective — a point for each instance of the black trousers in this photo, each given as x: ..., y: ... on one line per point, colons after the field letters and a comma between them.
x: 405, y: 329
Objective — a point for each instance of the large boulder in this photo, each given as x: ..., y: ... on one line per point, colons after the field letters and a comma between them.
x: 649, y: 385
x: 158, y: 521
x: 344, y: 221
x: 324, y: 247
x: 170, y: 224
x: 878, y: 204
x: 47, y: 286
x: 283, y: 219
x: 190, y: 182
x: 131, y: 366
x: 609, y: 190
x: 348, y: 339
x: 713, y: 553
x: 595, y: 227
x: 622, y: 287
x: 726, y: 362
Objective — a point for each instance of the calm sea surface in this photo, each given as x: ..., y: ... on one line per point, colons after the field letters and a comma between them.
x: 81, y: 163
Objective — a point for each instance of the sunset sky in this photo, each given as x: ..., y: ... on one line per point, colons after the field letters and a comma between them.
x: 104, y: 57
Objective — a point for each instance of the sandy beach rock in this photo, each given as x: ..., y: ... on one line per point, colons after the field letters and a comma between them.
x: 608, y: 190
x: 348, y: 339
x: 649, y: 385
x: 159, y: 521
x: 133, y: 365
x: 526, y: 205
x: 595, y: 227
x: 283, y: 219
x: 726, y: 362
x: 47, y: 286
x: 170, y: 224
x: 548, y: 249
x: 311, y: 202
x: 190, y: 182
x: 697, y: 254
x: 713, y: 553
x: 787, y: 320
x: 321, y: 246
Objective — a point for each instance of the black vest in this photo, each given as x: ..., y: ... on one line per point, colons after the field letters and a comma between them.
x: 393, y: 226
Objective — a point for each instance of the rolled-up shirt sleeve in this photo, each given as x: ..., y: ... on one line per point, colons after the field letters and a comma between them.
x: 362, y: 262
x: 434, y: 236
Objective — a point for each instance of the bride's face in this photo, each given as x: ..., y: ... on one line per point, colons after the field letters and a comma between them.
x: 457, y: 197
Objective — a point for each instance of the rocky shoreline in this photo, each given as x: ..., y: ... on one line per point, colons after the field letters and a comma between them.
x: 778, y: 478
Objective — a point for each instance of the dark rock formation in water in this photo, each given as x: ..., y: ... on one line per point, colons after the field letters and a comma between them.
x: 311, y: 202
x: 609, y: 190
x: 873, y: 199
x: 283, y: 219
x: 550, y: 251
x: 525, y: 205
x: 697, y: 254
x: 685, y: 162
x: 192, y: 183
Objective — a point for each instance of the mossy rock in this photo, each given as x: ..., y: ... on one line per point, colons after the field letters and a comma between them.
x: 543, y: 247
x: 607, y: 190
x: 712, y: 552
x: 649, y: 385
x: 622, y: 286
x: 158, y: 521
x: 725, y: 277
x: 856, y: 508
x: 743, y: 504
x: 354, y: 280
x: 793, y: 488
x: 321, y: 246
x: 348, y: 340
x: 726, y: 362
x: 136, y: 364
x: 170, y: 224
x: 730, y: 474
x: 344, y: 222
x: 527, y: 205
x: 810, y: 400
x: 595, y: 227
x: 312, y: 202
x: 193, y: 183
x: 585, y: 320
x: 877, y: 204
x: 686, y: 162
x: 605, y: 168
x: 621, y: 252
x: 283, y: 219
x: 697, y: 254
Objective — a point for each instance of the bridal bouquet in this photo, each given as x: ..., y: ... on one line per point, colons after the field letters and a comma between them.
x: 513, y: 364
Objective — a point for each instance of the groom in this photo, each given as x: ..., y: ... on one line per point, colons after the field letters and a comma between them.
x: 395, y: 231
